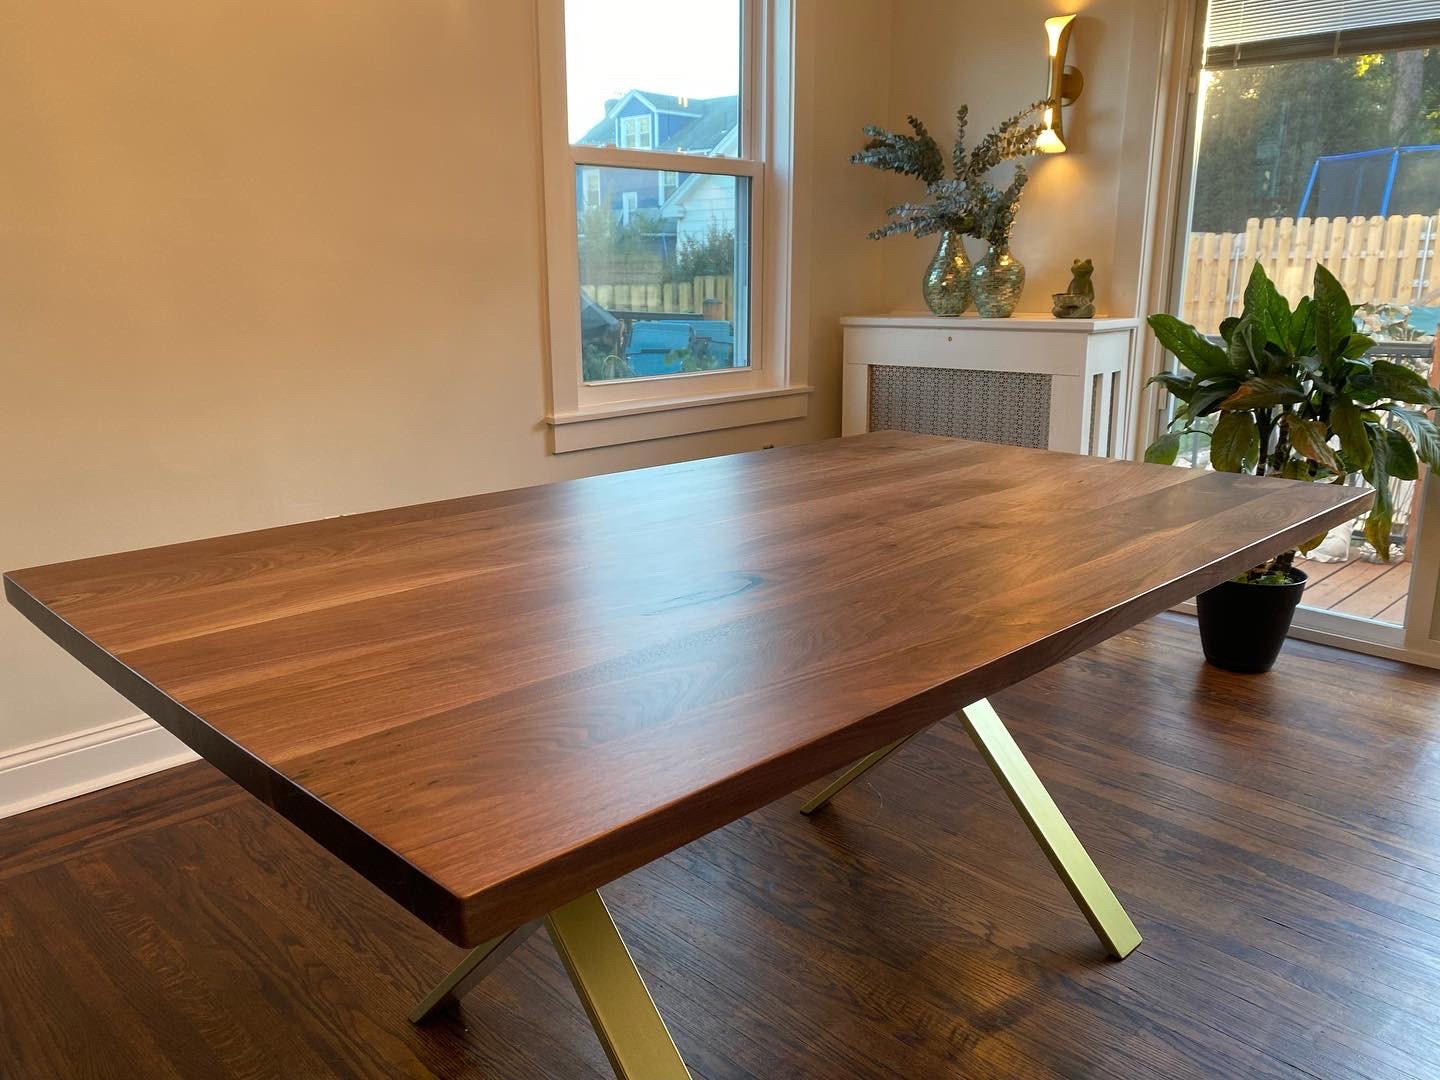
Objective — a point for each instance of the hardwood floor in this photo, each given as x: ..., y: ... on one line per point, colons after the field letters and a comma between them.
x: 1274, y: 838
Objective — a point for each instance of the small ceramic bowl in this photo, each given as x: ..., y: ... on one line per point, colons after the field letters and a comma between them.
x: 1071, y: 306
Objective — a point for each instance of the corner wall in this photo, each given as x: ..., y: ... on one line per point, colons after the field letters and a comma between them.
x: 272, y: 261
x: 1088, y: 203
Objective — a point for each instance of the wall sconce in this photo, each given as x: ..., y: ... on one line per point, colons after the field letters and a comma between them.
x: 1065, y: 86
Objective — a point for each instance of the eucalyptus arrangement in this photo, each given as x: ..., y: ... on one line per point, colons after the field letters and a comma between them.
x: 963, y: 203
x: 1292, y: 393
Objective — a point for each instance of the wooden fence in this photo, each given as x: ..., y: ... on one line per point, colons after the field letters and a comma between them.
x: 677, y: 297
x: 1394, y: 260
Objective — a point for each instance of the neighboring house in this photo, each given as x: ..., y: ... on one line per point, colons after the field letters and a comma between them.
x: 642, y: 120
x: 704, y: 201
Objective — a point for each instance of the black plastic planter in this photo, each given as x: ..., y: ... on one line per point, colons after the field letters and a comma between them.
x: 1242, y: 627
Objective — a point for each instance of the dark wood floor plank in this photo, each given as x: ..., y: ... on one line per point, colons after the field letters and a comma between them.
x: 1274, y: 838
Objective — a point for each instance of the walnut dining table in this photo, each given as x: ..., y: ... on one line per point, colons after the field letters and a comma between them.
x: 492, y: 706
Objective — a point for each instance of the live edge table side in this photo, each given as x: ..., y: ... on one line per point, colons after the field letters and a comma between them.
x: 492, y: 706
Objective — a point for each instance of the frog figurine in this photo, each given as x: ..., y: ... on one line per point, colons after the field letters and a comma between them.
x: 1078, y: 301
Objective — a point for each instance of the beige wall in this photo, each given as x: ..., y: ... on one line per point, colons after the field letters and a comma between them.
x: 269, y: 261
x: 266, y: 261
x: 1087, y: 203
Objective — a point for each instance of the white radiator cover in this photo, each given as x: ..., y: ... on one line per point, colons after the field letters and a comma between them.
x: 1030, y: 380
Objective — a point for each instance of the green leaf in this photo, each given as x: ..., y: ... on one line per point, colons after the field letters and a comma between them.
x: 1208, y: 398
x: 1265, y: 305
x: 1347, y: 420
x: 1382, y: 511
x: 1334, y: 315
x: 1397, y: 381
x: 1235, y: 442
x: 1246, y: 347
x: 1227, y: 327
x: 1357, y: 345
x: 1164, y: 450
x: 1302, y: 328
x: 1265, y: 393
x: 1311, y: 544
x: 1297, y: 468
x: 1189, y: 346
x: 1309, y: 437
x: 1182, y: 386
x: 1427, y: 435
x: 1400, y: 456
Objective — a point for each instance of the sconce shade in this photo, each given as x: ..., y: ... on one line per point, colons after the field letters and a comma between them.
x: 1065, y: 85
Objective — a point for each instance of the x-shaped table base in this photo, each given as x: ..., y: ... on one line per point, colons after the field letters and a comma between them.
x: 614, y: 995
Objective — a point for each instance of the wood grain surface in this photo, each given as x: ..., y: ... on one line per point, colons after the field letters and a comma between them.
x: 490, y: 705
x: 1273, y: 835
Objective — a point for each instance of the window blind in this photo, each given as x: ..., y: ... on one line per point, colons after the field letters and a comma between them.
x: 1271, y: 31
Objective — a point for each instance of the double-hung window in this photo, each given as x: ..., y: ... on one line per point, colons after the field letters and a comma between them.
x: 666, y: 130
x: 636, y: 132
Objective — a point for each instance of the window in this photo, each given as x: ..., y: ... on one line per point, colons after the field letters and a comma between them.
x: 1317, y: 140
x: 655, y: 296
x: 635, y: 132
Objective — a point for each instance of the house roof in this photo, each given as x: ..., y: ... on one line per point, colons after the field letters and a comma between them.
x: 714, y: 119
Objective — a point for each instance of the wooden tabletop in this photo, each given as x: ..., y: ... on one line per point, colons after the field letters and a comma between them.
x: 493, y: 704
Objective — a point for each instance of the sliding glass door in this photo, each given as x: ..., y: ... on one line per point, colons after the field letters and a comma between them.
x: 1317, y: 141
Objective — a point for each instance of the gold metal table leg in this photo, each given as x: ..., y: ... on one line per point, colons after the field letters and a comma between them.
x: 610, y: 988
x: 1050, y: 829
x: 476, y: 965
x: 615, y: 998
x: 1053, y: 833
x: 822, y: 799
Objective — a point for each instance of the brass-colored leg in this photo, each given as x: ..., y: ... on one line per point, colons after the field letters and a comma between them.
x: 615, y: 998
x: 479, y: 963
x: 850, y: 775
x: 1051, y: 830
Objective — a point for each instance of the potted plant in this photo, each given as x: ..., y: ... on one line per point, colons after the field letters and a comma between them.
x: 963, y: 204
x: 1292, y: 394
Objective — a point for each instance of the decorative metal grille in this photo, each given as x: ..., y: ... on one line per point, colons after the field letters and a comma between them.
x: 1011, y: 407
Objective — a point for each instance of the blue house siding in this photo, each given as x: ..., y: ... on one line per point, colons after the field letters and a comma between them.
x: 696, y: 125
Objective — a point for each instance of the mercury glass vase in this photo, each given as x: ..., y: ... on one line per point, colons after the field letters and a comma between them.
x: 947, y: 281
x: 996, y: 282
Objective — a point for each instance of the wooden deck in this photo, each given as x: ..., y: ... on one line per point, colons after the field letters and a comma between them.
x: 1370, y: 590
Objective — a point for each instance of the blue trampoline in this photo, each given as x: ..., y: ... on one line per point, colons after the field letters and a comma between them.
x: 1385, y: 181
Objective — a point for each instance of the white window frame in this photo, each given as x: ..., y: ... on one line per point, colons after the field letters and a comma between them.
x: 588, y: 176
x: 630, y: 140
x: 662, y: 184
x: 586, y: 415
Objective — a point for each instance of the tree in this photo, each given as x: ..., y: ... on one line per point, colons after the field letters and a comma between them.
x: 1263, y: 127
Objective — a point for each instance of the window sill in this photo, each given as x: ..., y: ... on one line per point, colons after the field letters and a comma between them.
x: 638, y: 421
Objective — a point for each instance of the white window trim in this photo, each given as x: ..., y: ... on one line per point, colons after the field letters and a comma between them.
x: 660, y: 183
x: 585, y: 178
x: 773, y: 387
x: 634, y: 121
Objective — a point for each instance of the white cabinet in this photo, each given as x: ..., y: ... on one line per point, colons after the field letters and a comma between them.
x: 1030, y: 380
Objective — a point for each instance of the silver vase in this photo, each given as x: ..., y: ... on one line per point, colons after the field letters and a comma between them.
x: 996, y: 283
x: 947, y: 281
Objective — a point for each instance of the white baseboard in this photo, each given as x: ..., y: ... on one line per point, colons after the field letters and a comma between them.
x: 58, y: 769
